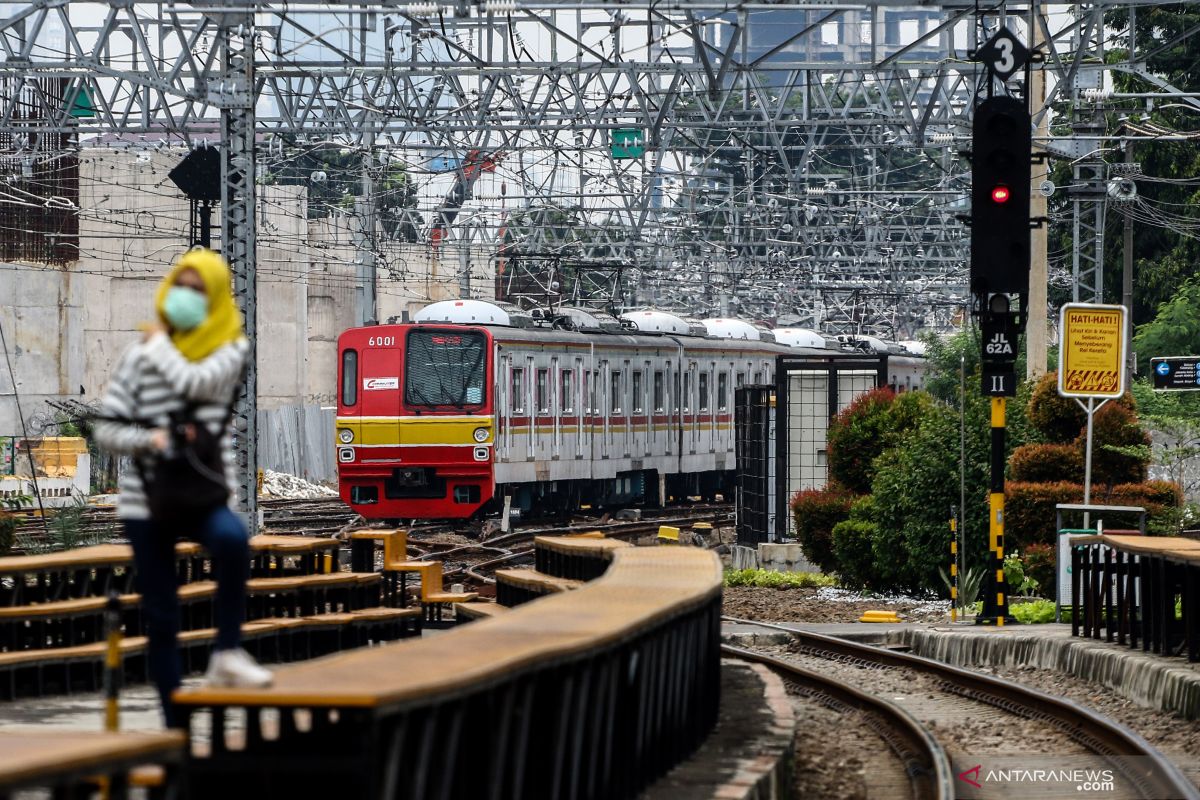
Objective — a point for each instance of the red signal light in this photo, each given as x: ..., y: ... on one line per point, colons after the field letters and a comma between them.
x: 1000, y: 194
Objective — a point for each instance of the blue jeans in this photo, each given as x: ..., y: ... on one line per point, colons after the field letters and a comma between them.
x: 224, y: 537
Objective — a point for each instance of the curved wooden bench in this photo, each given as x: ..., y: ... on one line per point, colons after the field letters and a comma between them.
x: 574, y: 556
x: 517, y: 586
x: 621, y: 671
x: 69, y: 760
x: 465, y: 612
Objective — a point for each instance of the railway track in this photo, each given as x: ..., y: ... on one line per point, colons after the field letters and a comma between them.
x: 956, y: 709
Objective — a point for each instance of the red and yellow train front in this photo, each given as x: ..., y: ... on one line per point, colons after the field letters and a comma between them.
x: 415, y: 428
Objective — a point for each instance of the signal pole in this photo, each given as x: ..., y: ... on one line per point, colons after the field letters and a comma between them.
x: 1001, y: 167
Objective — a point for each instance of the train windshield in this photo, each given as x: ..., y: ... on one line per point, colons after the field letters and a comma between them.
x: 445, y: 368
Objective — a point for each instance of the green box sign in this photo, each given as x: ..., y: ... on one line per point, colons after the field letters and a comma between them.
x: 628, y: 143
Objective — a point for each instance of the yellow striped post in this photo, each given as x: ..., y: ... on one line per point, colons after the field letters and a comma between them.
x: 995, y: 608
x: 953, y: 569
x: 112, y: 662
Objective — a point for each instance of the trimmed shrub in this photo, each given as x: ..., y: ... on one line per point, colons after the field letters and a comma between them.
x: 1055, y: 417
x: 815, y: 513
x: 1029, y: 513
x: 1115, y: 426
x: 1039, y: 561
x: 1046, y: 463
x: 857, y: 435
x: 1155, y: 496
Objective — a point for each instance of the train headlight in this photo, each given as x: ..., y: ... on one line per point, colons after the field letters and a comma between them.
x: 481, y: 434
x: 345, y: 436
x: 345, y: 454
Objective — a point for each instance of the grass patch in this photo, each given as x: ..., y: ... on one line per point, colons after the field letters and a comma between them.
x: 769, y: 579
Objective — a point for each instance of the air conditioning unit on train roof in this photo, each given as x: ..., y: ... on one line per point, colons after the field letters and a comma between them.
x: 473, y: 312
x: 590, y: 319
x: 651, y: 321
x: 800, y: 337
x: 732, y: 329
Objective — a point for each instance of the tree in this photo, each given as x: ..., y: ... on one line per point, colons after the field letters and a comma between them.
x: 1175, y: 329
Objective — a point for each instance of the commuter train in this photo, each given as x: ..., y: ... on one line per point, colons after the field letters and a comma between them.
x: 476, y: 406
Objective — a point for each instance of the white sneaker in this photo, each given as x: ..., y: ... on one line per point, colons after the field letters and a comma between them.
x: 235, y: 669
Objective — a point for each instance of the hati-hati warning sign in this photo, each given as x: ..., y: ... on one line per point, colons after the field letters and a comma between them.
x: 1092, y: 360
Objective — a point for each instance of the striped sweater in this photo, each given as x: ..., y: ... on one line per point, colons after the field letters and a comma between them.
x: 151, y: 380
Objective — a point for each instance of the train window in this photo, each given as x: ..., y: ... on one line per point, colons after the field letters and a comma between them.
x: 518, y: 390
x: 636, y: 400
x: 543, y: 391
x: 595, y: 409
x: 722, y: 391
x: 566, y: 395
x: 660, y: 400
x: 349, y: 377
x: 444, y: 368
x: 615, y: 396
x: 687, y: 391
x: 741, y: 378
x: 704, y: 391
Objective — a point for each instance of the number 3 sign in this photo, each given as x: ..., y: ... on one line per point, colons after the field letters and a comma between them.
x: 1003, y: 54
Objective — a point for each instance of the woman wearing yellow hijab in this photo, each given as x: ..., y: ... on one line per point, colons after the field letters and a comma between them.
x: 169, y: 403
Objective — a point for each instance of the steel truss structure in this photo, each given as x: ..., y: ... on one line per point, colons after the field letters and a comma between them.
x: 797, y: 162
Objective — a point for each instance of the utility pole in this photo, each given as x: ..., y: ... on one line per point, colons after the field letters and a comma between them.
x: 1039, y: 270
x: 234, y: 93
x: 366, y: 266
x: 1127, y: 277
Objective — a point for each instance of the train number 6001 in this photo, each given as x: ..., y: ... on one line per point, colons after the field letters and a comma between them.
x: 381, y: 341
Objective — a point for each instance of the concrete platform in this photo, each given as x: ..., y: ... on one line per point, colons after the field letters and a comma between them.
x: 1151, y: 681
x: 750, y: 754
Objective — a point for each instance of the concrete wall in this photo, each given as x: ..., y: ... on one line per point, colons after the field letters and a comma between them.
x: 66, y: 328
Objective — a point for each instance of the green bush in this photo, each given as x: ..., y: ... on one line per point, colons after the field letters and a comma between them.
x: 1019, y: 582
x: 1029, y: 612
x: 1033, y: 612
x: 854, y: 549
x: 915, y: 486
x: 874, y: 422
x: 857, y: 435
x: 770, y: 579
x: 1044, y: 463
x: 816, y: 512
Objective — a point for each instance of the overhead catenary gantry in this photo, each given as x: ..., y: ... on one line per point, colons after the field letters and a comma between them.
x: 770, y: 160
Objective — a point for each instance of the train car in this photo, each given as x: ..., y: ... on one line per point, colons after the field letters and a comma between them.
x: 476, y: 407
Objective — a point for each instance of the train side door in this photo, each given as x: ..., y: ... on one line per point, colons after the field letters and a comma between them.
x: 532, y: 412
x: 691, y: 415
x: 381, y: 389
x: 604, y: 411
x: 582, y: 408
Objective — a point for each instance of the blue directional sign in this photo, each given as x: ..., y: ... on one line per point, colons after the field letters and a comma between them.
x: 1180, y: 374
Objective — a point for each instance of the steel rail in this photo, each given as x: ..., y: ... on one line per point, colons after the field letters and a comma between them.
x: 925, y: 760
x: 1102, y: 735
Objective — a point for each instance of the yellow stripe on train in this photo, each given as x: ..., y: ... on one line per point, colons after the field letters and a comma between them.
x: 416, y: 430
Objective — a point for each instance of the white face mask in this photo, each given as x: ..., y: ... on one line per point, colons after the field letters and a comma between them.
x: 185, y: 308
